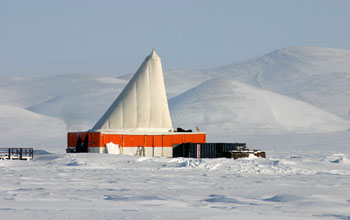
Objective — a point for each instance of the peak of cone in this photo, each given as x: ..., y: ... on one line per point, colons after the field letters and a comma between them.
x: 142, y: 105
x: 153, y: 55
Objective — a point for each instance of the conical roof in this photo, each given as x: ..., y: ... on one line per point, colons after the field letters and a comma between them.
x: 142, y: 105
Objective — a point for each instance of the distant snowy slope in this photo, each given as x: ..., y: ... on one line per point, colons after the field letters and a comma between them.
x: 78, y: 99
x: 26, y: 92
x: 318, y: 76
x: 22, y: 128
x: 228, y: 106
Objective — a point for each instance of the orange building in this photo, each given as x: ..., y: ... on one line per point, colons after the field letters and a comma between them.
x: 156, y: 144
x: 138, y: 122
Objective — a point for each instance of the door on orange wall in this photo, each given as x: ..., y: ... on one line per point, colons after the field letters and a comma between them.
x: 82, y: 143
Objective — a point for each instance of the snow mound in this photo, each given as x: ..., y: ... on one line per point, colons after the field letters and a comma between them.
x: 338, y: 158
x: 223, y: 104
x: 284, y: 198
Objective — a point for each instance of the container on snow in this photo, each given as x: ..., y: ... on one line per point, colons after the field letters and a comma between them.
x: 215, y: 150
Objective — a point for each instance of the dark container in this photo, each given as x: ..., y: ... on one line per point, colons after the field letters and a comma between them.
x: 206, y: 150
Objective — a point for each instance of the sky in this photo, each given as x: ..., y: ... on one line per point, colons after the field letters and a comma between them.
x: 110, y: 37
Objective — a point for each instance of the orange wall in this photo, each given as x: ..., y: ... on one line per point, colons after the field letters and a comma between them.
x: 97, y: 139
x: 94, y: 139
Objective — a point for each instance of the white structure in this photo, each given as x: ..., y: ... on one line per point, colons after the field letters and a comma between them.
x: 138, y: 122
x: 142, y: 106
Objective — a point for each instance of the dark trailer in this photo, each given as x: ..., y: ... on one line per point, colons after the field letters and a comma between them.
x: 215, y: 150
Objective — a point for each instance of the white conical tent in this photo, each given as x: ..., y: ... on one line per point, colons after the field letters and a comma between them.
x: 142, y: 105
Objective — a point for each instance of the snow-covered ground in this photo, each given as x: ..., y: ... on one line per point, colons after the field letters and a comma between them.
x: 291, y: 103
x: 298, y: 183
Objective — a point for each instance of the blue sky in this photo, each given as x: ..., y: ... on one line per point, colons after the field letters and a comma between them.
x: 113, y: 37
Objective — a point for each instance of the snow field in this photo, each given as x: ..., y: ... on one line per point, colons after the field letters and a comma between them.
x: 92, y: 186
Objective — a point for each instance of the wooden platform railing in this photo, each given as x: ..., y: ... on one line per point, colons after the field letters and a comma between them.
x: 16, y: 153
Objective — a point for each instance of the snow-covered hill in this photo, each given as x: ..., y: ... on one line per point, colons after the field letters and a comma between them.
x: 225, y: 105
x: 22, y: 128
x: 318, y: 76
